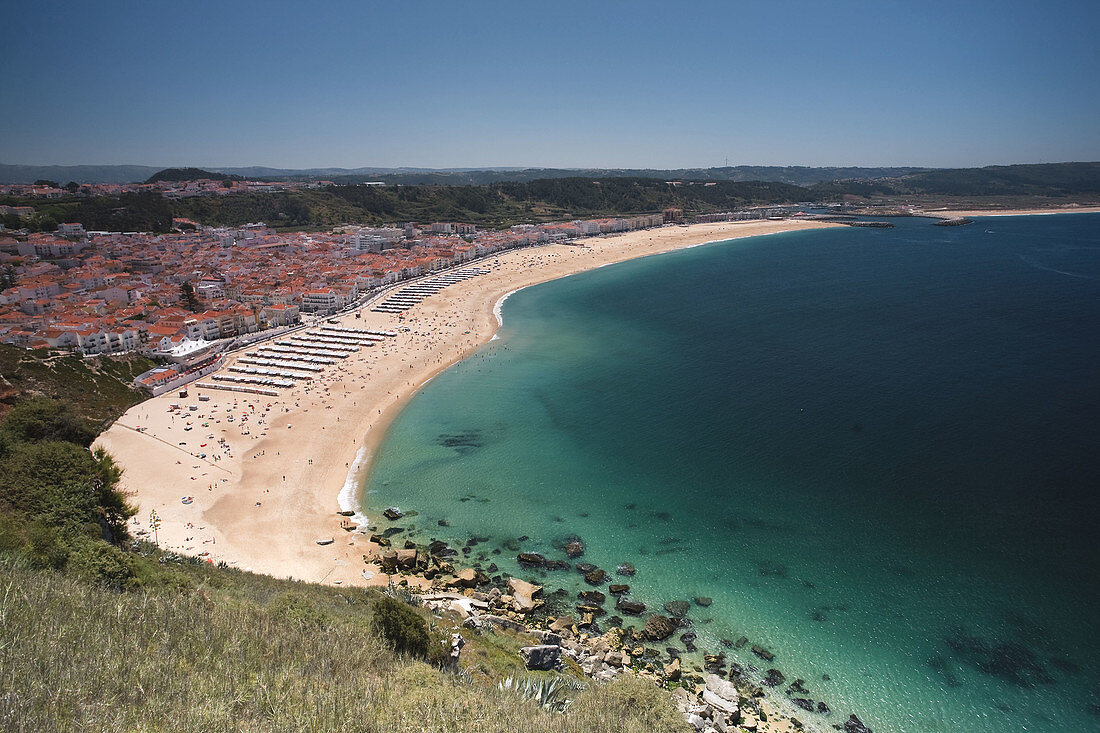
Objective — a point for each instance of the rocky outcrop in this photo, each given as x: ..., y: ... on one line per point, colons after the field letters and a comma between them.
x: 633, y: 608
x: 596, y: 577
x: 531, y: 560
x: 658, y: 628
x: 855, y: 725
x: 543, y: 657
x: 523, y: 595
x: 467, y: 578
x: 677, y: 609
x: 762, y: 653
x: 722, y: 695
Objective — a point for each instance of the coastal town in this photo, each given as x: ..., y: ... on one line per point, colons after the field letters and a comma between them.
x: 171, y: 296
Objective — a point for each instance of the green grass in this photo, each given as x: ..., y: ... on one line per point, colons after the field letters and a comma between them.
x: 99, y: 388
x: 204, y: 648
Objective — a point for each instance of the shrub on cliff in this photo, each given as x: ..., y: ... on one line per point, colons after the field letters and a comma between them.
x: 406, y: 630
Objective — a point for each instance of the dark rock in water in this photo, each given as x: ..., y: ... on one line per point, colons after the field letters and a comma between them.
x: 633, y: 608
x: 630, y: 506
x: 596, y: 577
x: 677, y: 609
x: 511, y: 545
x: 584, y: 568
x: 703, y: 601
x: 727, y: 643
x: 440, y: 549
x: 823, y: 708
x: 410, y: 545
x: 1015, y: 663
x: 392, y: 531
x: 523, y: 538
x: 658, y: 628
x: 496, y: 551
x: 799, y: 687
x: 714, y: 662
x: 796, y: 723
x: 762, y: 653
x: 957, y: 221
x: 689, y: 640
x: 592, y: 596
x: 393, y: 513
x: 492, y: 567
x: 818, y: 614
x: 443, y: 523
x: 574, y: 548
x: 855, y: 725
x: 673, y: 652
x: 736, y: 671
x: 531, y: 560
x: 466, y: 550
x: 1011, y: 661
x: 774, y: 678
x: 625, y: 569
x: 380, y: 540
x: 804, y: 703
x: 741, y: 642
x: 593, y: 609
x: 557, y: 565
x: 616, y: 621
x: 618, y: 589
x: 472, y: 542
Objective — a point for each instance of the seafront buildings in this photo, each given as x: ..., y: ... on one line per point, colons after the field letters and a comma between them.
x: 172, y: 295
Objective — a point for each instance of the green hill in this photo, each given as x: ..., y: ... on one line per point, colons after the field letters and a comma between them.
x: 190, y: 174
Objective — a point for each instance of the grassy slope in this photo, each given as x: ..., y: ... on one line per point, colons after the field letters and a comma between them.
x: 99, y: 388
x: 203, y: 648
x: 197, y: 647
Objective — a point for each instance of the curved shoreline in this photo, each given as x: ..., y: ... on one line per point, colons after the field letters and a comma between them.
x: 265, y: 504
x: 274, y: 492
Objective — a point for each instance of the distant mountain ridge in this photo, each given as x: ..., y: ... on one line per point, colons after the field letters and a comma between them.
x: 1044, y: 179
x: 797, y: 175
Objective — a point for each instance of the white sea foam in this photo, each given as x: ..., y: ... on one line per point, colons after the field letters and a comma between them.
x: 348, y: 496
x: 497, y: 312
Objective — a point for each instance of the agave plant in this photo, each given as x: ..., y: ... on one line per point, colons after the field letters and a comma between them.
x: 548, y: 693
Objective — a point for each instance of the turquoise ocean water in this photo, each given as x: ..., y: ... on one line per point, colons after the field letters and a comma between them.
x: 878, y: 451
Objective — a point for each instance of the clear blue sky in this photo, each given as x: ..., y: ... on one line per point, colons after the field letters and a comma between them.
x: 598, y: 83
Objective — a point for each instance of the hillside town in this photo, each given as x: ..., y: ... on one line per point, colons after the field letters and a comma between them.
x: 181, y: 296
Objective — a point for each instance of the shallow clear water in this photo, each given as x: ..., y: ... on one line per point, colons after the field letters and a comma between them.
x: 876, y: 450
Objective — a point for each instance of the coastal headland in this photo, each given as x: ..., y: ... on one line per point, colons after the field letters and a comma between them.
x: 258, y: 481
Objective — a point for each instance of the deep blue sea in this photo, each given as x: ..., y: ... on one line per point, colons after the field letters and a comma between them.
x: 877, y: 450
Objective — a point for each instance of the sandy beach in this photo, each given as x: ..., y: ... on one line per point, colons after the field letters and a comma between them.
x: 258, y: 481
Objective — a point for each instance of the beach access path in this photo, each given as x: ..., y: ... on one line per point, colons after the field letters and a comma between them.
x: 267, y: 489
